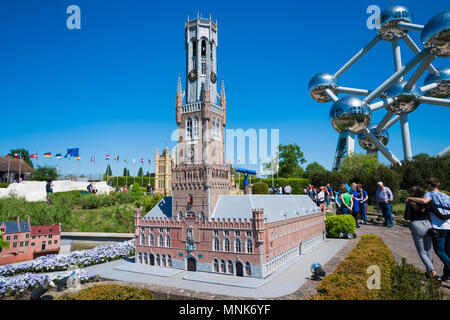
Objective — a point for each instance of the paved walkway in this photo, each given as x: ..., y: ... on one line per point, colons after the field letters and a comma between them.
x: 286, y: 280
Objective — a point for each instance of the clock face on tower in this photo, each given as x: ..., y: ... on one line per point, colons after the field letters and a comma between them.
x: 190, y: 153
x: 213, y: 77
x: 192, y: 75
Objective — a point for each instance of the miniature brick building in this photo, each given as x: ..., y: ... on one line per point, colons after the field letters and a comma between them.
x: 201, y: 227
x: 27, y: 243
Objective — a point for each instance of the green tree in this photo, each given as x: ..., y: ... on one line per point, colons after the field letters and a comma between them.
x: 108, y: 171
x: 314, y: 166
x: 126, y: 172
x: 3, y: 244
x: 422, y: 157
x: 44, y: 173
x: 359, y: 162
x: 136, y: 190
x: 291, y: 157
x: 140, y: 172
x: 24, y: 155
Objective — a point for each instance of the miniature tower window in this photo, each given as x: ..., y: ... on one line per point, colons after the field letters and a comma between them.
x: 169, y: 260
x: 191, y: 200
x: 189, y: 128
x: 203, y: 48
x: 226, y: 244
x: 222, y: 266
x: 216, y: 265
x: 167, y: 241
x: 160, y: 241
x: 216, y: 244
x: 196, y: 131
x: 230, y: 266
x: 151, y: 240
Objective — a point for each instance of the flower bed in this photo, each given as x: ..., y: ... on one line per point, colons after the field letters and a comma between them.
x: 85, y: 258
x: 19, y: 285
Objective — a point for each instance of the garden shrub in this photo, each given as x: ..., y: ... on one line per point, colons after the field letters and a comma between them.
x: 4, y: 185
x: 147, y: 203
x: 398, y: 281
x: 297, y: 184
x: 349, y: 280
x: 336, y: 224
x: 260, y: 188
x: 136, y: 190
x: 109, y: 292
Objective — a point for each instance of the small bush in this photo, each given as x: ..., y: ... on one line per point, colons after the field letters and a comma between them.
x: 4, y: 185
x: 336, y: 224
x: 136, y: 190
x: 260, y: 188
x: 109, y: 292
x: 147, y: 203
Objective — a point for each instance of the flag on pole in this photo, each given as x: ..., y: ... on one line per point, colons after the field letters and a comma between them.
x: 78, y: 158
x: 107, y: 157
x: 92, y: 159
x: 34, y: 156
x: 73, y: 152
x: 47, y: 155
x: 8, y: 155
x: 149, y: 160
x: 142, y: 160
x: 17, y: 155
x: 58, y: 156
x: 134, y: 160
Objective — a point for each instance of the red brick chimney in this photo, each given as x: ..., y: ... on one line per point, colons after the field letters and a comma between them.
x: 18, y: 223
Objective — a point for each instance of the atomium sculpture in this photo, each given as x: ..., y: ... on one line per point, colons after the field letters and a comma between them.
x: 351, y: 116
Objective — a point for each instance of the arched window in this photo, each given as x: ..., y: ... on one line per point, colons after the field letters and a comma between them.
x: 230, y: 266
x: 226, y: 244
x: 249, y: 245
x: 151, y: 240
x: 145, y: 258
x: 142, y: 242
x: 201, y: 215
x: 196, y: 128
x: 222, y: 266
x: 163, y: 260
x: 194, y: 47
x: 180, y: 214
x: 216, y: 246
x: 189, y: 128
x: 218, y: 129
x: 203, y: 48
x: 169, y: 260
x: 248, y: 270
x: 216, y: 265
x: 140, y: 257
x: 167, y: 241
x: 237, y: 245
x: 158, y: 260
x: 160, y: 241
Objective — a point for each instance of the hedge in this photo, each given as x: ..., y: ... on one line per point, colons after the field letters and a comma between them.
x: 109, y: 292
x: 131, y: 180
x: 398, y: 281
x: 336, y: 224
x: 297, y: 184
x: 4, y: 185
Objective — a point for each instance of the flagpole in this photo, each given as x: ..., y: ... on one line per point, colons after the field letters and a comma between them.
x: 20, y: 166
x: 9, y: 164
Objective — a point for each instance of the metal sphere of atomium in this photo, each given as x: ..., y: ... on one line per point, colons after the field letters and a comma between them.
x: 442, y: 79
x: 389, y: 19
x: 366, y: 144
x: 436, y: 34
x: 350, y: 113
x: 404, y: 101
x: 319, y: 83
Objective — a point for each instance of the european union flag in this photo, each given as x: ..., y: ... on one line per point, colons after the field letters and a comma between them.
x: 74, y: 152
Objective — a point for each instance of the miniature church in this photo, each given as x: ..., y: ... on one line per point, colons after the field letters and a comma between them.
x: 201, y: 226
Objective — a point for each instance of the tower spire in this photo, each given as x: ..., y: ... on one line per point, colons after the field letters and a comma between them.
x: 222, y: 90
x: 179, y: 92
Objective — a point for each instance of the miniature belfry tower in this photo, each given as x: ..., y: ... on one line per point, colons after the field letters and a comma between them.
x: 200, y: 174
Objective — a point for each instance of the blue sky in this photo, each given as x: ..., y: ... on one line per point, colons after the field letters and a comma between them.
x: 110, y: 87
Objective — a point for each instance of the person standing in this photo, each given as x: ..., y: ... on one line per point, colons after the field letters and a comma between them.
x: 287, y: 189
x: 419, y: 215
x: 441, y: 242
x: 356, y: 196
x: 125, y: 189
x: 48, y: 187
x: 311, y: 192
x: 363, y: 203
x: 384, y: 199
x: 320, y: 199
x: 346, y: 201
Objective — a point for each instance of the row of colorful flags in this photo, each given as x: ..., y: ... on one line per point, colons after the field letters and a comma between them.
x: 74, y: 152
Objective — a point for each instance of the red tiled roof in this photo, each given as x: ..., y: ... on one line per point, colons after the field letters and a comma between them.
x: 48, y: 229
